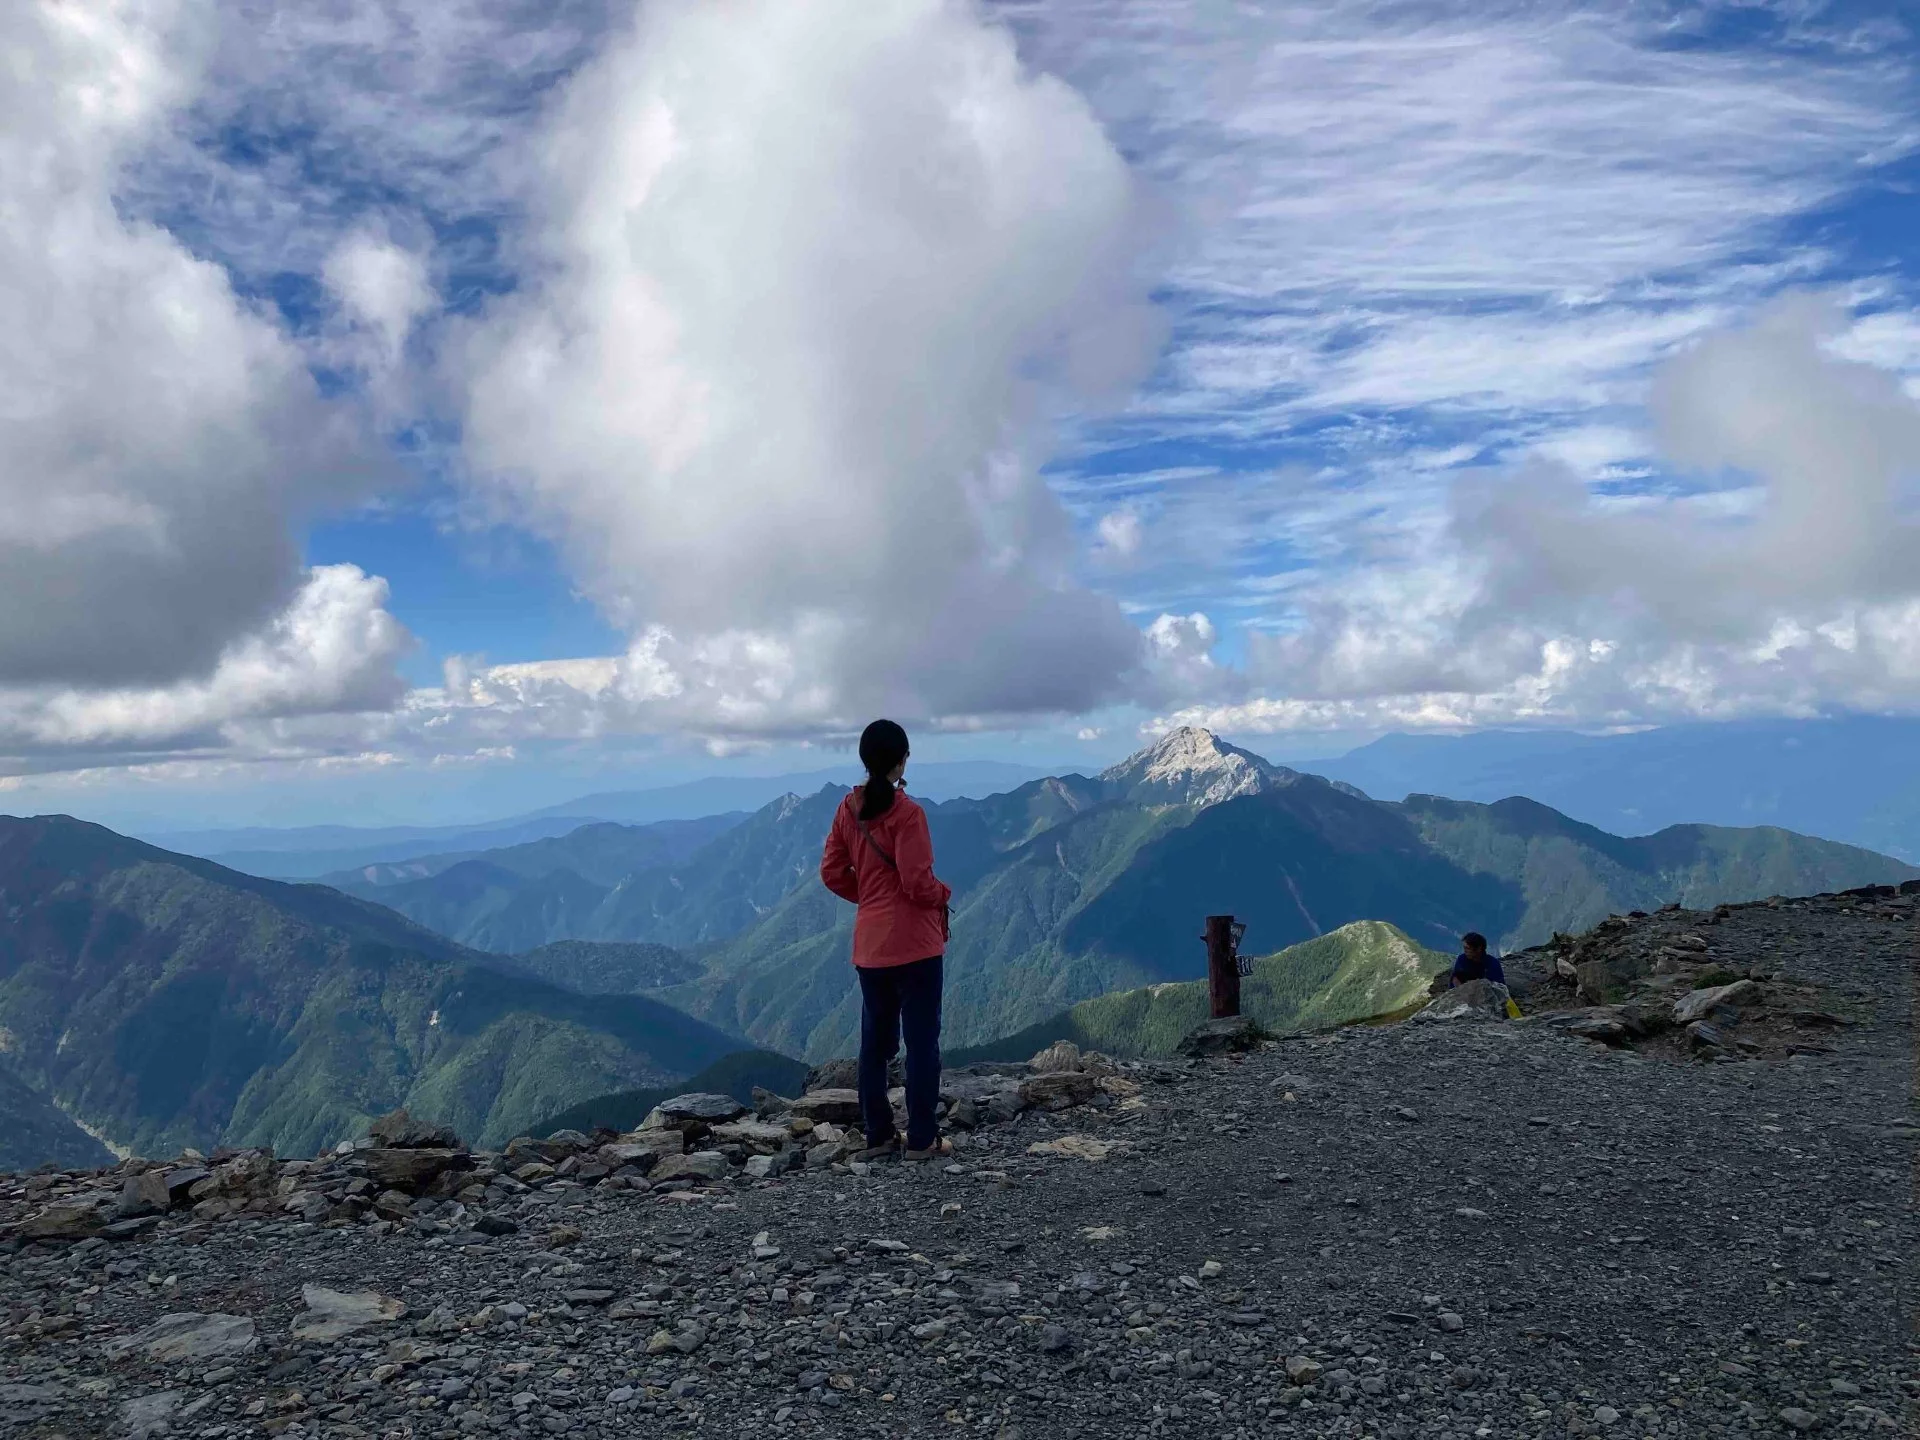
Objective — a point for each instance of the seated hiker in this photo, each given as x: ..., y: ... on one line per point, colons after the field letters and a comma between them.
x: 1474, y: 963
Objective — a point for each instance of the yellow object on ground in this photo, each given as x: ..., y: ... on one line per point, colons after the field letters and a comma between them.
x: 1513, y: 1010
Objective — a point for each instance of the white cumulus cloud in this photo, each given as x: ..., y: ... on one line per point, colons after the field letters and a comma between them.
x: 805, y: 286
x: 159, y: 438
x: 331, y: 652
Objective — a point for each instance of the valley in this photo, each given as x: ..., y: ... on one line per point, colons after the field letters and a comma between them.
x: 165, y: 1001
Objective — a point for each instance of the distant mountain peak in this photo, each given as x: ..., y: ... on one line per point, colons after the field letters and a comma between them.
x: 1193, y: 766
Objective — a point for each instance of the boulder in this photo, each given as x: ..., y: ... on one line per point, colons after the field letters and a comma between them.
x: 956, y: 1086
x: 1059, y: 1056
x: 1598, y: 981
x: 837, y: 1106
x: 1475, y: 1000
x: 181, y: 1180
x: 398, y: 1130
x: 1059, y: 1090
x: 144, y: 1194
x: 189, y: 1336
x: 1005, y: 1106
x: 410, y: 1170
x: 766, y: 1104
x: 1705, y: 1037
x: 1602, y: 1023
x: 524, y: 1150
x: 643, y: 1149
x: 63, y: 1222
x: 693, y: 1113
x: 1224, y: 1036
x: 146, y: 1416
x: 1643, y: 1018
x: 841, y: 1074
x: 754, y: 1134
x: 701, y: 1165
x: 333, y: 1314
x: 246, y: 1174
x: 1701, y: 1003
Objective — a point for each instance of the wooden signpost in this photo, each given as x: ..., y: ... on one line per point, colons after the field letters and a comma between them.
x: 1223, y: 967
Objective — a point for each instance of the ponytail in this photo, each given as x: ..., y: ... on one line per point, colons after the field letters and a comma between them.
x: 883, y: 745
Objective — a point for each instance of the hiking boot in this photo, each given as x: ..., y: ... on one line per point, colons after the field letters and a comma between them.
x: 885, y: 1150
x: 939, y: 1150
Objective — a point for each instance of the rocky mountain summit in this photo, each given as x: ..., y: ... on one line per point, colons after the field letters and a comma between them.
x: 1458, y: 1228
x: 1191, y: 766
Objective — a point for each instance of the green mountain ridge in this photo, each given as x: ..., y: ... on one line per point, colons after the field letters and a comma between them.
x: 1069, y: 890
x: 168, y: 1002
x: 1363, y: 970
x: 1073, y: 886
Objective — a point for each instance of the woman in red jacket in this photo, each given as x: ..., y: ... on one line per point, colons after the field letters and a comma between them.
x: 880, y: 856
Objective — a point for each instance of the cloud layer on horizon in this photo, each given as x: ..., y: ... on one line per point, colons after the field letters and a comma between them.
x: 1471, y: 406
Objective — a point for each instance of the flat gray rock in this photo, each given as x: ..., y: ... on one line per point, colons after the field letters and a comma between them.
x: 146, y: 1416
x: 332, y: 1314
x: 1475, y: 1000
x: 1226, y: 1035
x: 1698, y: 1004
x: 704, y: 1106
x: 191, y: 1336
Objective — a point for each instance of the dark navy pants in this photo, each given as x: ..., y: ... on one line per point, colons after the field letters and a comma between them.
x: 896, y: 998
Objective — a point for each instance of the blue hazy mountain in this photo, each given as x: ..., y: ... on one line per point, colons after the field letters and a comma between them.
x: 309, y: 852
x: 1854, y: 779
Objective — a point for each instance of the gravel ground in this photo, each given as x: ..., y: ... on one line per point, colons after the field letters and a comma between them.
x: 1459, y: 1230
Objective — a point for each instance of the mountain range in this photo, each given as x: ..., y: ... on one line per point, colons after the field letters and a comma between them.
x: 150, y: 1000
x: 1072, y: 886
x: 314, y: 851
x: 1852, y: 778
x: 165, y: 1001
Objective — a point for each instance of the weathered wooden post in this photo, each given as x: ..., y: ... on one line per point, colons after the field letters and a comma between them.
x: 1223, y: 967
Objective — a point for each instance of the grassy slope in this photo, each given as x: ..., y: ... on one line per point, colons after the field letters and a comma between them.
x: 1363, y: 969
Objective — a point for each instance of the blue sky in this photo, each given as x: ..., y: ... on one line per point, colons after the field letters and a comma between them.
x: 421, y: 408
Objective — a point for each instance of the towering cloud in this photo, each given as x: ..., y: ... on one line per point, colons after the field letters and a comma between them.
x: 807, y: 283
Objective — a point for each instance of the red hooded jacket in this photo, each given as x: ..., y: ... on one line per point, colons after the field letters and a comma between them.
x: 903, y: 907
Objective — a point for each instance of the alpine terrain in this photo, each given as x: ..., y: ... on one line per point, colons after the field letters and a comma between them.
x: 1072, y: 887
x: 162, y: 1001
x: 1451, y: 1226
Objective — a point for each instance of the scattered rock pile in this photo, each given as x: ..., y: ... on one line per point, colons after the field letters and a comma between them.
x: 406, y: 1174
x: 1687, y: 983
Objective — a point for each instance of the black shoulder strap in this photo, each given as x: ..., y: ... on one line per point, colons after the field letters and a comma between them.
x: 866, y: 834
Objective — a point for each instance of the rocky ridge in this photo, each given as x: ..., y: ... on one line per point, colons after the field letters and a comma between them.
x: 1450, y: 1229
x: 1191, y: 766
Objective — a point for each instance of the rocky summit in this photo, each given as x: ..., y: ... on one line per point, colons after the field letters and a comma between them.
x: 1591, y: 1221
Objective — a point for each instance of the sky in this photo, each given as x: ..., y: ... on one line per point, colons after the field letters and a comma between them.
x: 421, y: 410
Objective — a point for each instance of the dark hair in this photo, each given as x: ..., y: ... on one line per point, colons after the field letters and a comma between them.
x: 1473, y: 940
x: 883, y: 745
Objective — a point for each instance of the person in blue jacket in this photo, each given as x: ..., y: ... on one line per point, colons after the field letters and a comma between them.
x: 1474, y: 963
